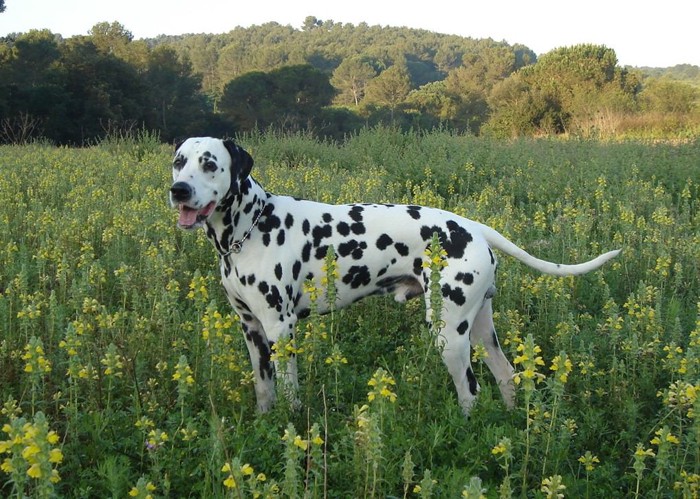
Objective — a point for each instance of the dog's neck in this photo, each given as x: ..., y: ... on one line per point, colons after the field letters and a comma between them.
x: 237, y: 216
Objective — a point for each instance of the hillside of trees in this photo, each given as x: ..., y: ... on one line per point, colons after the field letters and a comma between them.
x: 329, y: 79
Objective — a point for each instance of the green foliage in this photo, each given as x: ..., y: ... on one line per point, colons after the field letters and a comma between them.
x: 668, y: 96
x: 122, y: 369
x: 139, y: 144
x: 75, y: 91
x: 289, y: 98
x: 351, y: 78
x: 389, y: 89
x: 565, y: 92
x: 78, y: 90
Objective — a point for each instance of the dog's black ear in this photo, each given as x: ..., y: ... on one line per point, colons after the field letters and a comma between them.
x: 178, y: 143
x: 239, y: 158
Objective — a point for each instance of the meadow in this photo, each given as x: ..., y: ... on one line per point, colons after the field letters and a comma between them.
x: 123, y: 372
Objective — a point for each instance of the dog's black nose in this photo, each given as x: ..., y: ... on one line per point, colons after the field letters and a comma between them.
x: 181, y: 191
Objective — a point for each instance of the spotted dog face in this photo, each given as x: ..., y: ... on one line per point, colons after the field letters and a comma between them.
x: 205, y: 171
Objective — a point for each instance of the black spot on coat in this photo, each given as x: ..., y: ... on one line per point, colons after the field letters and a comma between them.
x: 306, y: 251
x: 455, y: 295
x: 465, y: 277
x: 343, y: 228
x: 418, y: 266
x: 352, y: 247
x: 473, y: 385
x: 358, y: 275
x: 356, y: 213
x: 289, y: 221
x: 414, y: 211
x: 401, y: 248
x: 321, y: 252
x: 358, y: 228
x: 455, y: 243
x: 269, y: 223
x: 320, y: 232
x: 384, y: 241
x: 463, y: 327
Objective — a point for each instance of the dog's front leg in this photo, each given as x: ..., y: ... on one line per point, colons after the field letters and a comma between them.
x: 285, y: 359
x: 260, y: 358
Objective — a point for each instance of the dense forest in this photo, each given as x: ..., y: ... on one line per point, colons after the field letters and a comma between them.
x: 329, y: 79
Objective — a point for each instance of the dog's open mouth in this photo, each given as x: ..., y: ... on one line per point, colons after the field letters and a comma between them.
x: 191, y: 217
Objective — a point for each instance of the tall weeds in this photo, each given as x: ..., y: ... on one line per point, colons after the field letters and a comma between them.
x: 123, y: 370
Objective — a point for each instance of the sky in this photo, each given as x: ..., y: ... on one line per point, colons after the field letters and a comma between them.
x: 642, y: 33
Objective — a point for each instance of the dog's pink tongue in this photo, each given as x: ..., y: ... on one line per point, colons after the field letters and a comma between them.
x: 188, y: 216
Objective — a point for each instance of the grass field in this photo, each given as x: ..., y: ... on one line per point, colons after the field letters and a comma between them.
x: 123, y: 372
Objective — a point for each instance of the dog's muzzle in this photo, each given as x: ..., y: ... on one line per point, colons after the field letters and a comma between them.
x: 181, y: 193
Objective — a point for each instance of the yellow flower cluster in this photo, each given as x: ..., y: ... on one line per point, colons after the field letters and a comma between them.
x: 31, y: 306
x: 641, y: 311
x: 156, y: 439
x: 690, y: 484
x: 561, y: 366
x: 540, y: 220
x: 479, y: 352
x: 198, y: 291
x: 72, y: 340
x: 553, y: 487
x: 183, y: 372
x: 436, y: 259
x: 674, y: 360
x: 516, y: 324
x: 245, y: 470
x: 662, y: 216
x: 664, y: 436
x: 529, y: 360
x: 310, y: 288
x: 336, y: 358
x: 381, y: 384
x: 143, y: 489
x: 113, y: 362
x: 285, y: 349
x: 35, y: 357
x: 329, y: 271
x: 589, y: 461
x: 682, y: 395
x: 220, y: 325
x: 547, y: 286
x: 303, y: 444
x: 642, y: 453
x: 502, y: 449
x: 31, y: 449
x: 144, y: 423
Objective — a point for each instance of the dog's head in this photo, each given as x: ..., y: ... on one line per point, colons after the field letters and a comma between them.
x: 205, y: 171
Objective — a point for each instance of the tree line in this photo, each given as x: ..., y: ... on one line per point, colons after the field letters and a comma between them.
x: 326, y: 78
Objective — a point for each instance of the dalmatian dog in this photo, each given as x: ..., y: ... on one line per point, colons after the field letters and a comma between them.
x: 269, y: 245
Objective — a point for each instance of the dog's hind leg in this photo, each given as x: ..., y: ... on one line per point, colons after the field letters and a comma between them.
x: 483, y: 332
x: 260, y: 358
x: 453, y: 342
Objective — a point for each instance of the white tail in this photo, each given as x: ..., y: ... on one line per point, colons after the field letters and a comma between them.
x: 498, y: 241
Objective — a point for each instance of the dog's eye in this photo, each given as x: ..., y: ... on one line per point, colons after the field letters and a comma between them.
x: 178, y: 163
x: 210, y: 166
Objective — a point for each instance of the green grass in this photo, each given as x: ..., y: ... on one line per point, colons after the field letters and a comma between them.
x: 116, y: 336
